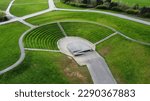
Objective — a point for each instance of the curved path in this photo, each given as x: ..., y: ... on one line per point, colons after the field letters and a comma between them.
x: 8, y: 9
x: 44, y: 50
x: 116, y: 32
x: 53, y: 7
x: 109, y: 13
x: 22, y: 56
x: 22, y: 50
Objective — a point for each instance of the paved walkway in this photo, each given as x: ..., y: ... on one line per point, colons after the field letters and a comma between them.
x: 22, y: 56
x: 99, y: 69
x: 114, y: 30
x: 44, y: 50
x: 8, y: 9
x: 53, y: 7
x: 109, y: 13
x: 97, y: 66
x: 62, y: 29
x: 106, y: 38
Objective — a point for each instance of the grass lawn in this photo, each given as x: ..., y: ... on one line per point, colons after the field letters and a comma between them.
x: 4, y: 4
x: 9, y: 47
x: 133, y: 2
x: 46, y: 67
x: 44, y: 37
x: 128, y: 61
x: 24, y: 7
x: 89, y: 31
x: 60, y: 4
x: 132, y: 29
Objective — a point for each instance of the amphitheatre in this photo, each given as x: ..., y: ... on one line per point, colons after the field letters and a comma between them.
x: 46, y: 41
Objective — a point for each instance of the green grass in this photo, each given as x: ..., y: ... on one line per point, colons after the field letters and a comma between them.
x: 91, y: 32
x: 133, y: 2
x: 9, y: 47
x: 60, y: 4
x: 4, y: 4
x: 24, y: 7
x: 132, y: 29
x: 128, y: 61
x: 46, y: 68
x: 44, y: 37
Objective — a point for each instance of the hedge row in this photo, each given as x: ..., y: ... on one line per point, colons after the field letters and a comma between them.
x: 115, y: 6
x: 135, y: 10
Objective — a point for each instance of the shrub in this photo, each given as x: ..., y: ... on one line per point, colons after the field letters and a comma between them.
x: 65, y: 1
x: 145, y: 10
x: 82, y: 5
x: 109, y: 1
x: 113, y: 4
x: 117, y: 9
x: 102, y: 7
x: 132, y: 11
x: 72, y: 4
x: 99, y: 2
x: 146, y: 15
x: 136, y: 7
x: 85, y: 1
x: 123, y: 7
x: 120, y: 7
x: 3, y: 16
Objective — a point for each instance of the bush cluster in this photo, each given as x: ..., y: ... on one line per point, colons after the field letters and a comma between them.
x: 3, y: 16
x: 135, y: 10
x: 115, y: 6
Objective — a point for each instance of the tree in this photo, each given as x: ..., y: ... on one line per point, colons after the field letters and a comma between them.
x: 109, y: 1
x: 65, y: 1
x: 136, y: 7
x: 99, y: 2
x: 145, y: 10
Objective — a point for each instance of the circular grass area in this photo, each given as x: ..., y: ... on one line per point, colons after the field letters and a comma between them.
x: 46, y: 36
x: 87, y: 30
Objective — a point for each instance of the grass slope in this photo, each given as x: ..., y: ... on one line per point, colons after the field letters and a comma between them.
x: 88, y: 31
x: 133, y: 2
x: 46, y: 67
x: 132, y: 29
x: 128, y: 61
x: 4, y: 4
x: 24, y: 7
x: 9, y: 47
x: 44, y: 37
